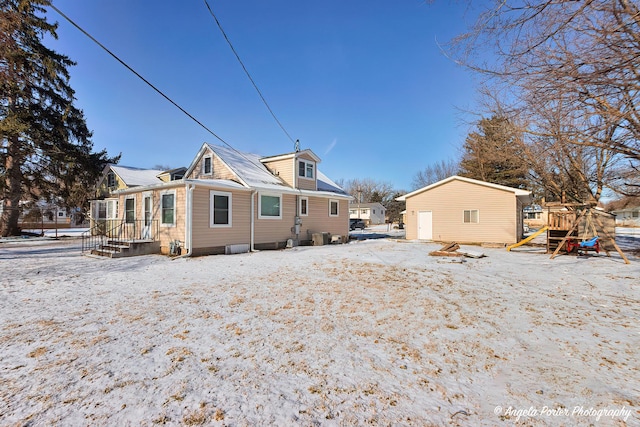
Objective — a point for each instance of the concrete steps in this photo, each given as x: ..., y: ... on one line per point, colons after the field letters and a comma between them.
x: 127, y: 248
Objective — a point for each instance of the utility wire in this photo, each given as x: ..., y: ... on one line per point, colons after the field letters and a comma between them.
x: 150, y: 84
x: 246, y: 71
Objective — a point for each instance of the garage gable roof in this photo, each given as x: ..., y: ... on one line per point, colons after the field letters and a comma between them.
x: 515, y: 191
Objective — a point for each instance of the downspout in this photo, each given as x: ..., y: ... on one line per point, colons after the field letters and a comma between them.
x: 252, y: 227
x: 188, y: 221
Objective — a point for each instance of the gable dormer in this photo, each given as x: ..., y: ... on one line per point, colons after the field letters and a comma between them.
x: 172, y: 175
x: 298, y: 170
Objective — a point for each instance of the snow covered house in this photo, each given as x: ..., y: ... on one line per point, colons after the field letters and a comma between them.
x: 229, y: 201
x: 465, y: 210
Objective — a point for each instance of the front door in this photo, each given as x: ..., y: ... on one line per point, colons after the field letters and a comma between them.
x: 147, y: 214
x: 425, y: 225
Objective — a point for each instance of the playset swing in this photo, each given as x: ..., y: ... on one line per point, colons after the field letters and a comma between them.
x: 591, y: 239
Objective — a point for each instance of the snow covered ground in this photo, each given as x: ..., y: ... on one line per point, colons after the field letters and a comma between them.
x: 367, y: 333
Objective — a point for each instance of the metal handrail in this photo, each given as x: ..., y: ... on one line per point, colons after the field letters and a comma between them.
x: 129, y: 231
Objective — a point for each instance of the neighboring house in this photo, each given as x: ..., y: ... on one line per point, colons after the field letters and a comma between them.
x: 233, y: 201
x: 370, y: 213
x: 465, y: 210
x: 40, y: 214
x: 629, y: 216
x: 535, y: 216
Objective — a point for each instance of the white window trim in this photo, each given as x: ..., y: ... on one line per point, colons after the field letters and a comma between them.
x: 260, y: 216
x: 471, y: 210
x: 306, y: 162
x: 210, y: 157
x: 300, y: 206
x: 124, y: 209
x: 175, y: 204
x: 338, y: 207
x: 213, y: 193
x: 114, y: 211
x: 96, y: 212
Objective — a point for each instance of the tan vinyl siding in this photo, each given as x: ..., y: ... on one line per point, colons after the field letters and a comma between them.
x: 307, y: 184
x: 165, y: 234
x: 497, y: 213
x: 283, y: 169
x: 219, y: 169
x: 205, y: 237
x: 319, y: 220
x: 268, y: 230
x: 170, y: 233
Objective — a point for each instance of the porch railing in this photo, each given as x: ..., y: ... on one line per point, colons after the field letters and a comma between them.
x: 104, y: 231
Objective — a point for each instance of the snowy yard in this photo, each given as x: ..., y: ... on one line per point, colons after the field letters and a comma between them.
x: 367, y: 333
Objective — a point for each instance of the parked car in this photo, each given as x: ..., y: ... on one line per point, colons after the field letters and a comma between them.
x: 355, y: 223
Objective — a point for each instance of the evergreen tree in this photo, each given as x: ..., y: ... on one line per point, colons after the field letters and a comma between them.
x: 494, y: 154
x: 45, y: 149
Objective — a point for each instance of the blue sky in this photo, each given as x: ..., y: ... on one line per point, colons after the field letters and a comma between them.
x: 364, y: 84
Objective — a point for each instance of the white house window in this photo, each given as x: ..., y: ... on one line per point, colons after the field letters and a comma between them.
x: 130, y: 210
x: 102, y: 210
x: 220, y: 209
x: 168, y: 203
x: 333, y: 208
x: 206, y: 165
x: 111, y: 179
x: 305, y: 169
x: 60, y: 213
x: 304, y: 206
x: 471, y: 216
x: 270, y: 206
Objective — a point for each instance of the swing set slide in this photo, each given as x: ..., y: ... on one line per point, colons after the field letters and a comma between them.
x: 528, y: 239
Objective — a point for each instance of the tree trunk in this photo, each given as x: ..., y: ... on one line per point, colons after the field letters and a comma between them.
x: 13, y: 190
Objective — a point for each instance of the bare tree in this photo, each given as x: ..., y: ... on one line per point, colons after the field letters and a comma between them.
x: 367, y: 190
x: 581, y: 58
x: 435, y: 172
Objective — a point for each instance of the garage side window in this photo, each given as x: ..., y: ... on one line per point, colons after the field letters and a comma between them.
x: 471, y: 216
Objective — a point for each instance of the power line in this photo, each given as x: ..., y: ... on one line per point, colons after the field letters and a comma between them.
x: 246, y: 71
x: 149, y: 83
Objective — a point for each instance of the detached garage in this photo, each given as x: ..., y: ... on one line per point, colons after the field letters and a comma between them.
x: 465, y: 210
